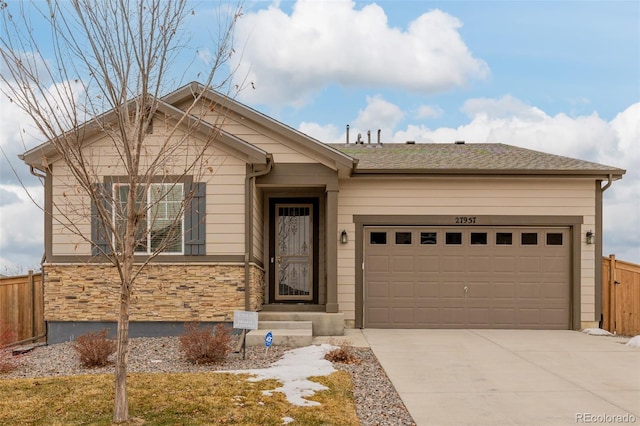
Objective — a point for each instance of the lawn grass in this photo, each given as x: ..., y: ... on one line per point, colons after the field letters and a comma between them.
x: 171, y: 399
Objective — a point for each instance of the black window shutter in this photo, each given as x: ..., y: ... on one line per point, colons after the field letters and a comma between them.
x: 194, y: 219
x: 99, y: 235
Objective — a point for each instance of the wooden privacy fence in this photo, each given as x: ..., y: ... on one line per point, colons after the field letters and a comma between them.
x: 22, y: 306
x: 620, y: 296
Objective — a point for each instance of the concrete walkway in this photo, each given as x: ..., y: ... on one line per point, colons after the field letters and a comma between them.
x: 510, y: 377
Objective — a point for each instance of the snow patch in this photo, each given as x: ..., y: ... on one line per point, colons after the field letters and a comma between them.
x: 293, y: 370
x: 596, y: 332
x: 634, y: 342
x: 286, y: 420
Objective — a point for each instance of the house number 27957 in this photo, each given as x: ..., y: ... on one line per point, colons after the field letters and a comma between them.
x: 462, y: 220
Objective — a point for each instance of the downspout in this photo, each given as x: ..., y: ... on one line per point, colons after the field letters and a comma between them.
x: 35, y: 173
x: 598, y: 253
x: 604, y: 188
x: 248, y: 226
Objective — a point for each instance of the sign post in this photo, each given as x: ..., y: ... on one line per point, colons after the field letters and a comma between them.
x: 245, y: 320
x: 268, y: 340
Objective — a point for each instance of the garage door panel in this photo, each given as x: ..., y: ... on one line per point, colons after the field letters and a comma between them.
x: 529, y: 264
x: 503, y: 317
x: 428, y: 264
x: 504, y: 264
x: 453, y: 290
x: 378, y: 317
x: 427, y: 290
x: 452, y: 263
x: 452, y: 317
x: 378, y: 264
x: 478, y: 317
x: 403, y: 317
x: 378, y: 289
x: 503, y: 291
x: 528, y: 318
x: 402, y: 289
x: 478, y: 263
x: 426, y: 317
x: 514, y: 279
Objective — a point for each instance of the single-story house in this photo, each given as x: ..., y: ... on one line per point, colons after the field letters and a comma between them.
x: 369, y: 234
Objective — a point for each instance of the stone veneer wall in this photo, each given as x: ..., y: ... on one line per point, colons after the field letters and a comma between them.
x: 163, y: 292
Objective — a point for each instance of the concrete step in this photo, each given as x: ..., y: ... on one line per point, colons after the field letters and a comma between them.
x: 285, y: 325
x: 324, y: 324
x: 281, y: 337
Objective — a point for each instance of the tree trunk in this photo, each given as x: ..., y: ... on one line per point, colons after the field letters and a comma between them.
x: 121, y: 406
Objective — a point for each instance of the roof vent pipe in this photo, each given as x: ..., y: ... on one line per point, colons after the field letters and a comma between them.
x: 378, y: 136
x: 347, y: 134
x: 368, y: 136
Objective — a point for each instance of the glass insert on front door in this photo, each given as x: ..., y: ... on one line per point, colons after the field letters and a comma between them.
x: 294, y: 252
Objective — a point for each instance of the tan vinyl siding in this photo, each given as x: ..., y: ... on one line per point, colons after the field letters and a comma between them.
x: 283, y: 150
x: 223, y: 173
x: 464, y: 196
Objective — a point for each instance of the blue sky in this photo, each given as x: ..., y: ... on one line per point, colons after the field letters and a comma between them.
x: 560, y: 77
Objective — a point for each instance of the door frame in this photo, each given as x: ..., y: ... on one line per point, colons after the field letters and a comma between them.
x: 315, y: 205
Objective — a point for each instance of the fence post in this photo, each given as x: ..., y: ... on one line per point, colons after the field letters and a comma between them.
x: 32, y: 286
x: 612, y: 293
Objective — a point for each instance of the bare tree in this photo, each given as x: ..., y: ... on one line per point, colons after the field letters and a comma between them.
x: 103, y: 73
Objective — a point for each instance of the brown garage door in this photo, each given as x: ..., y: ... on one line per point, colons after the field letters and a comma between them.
x: 470, y: 277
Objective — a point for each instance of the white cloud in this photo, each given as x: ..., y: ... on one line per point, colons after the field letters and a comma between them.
x: 289, y: 57
x: 429, y: 111
x: 22, y: 229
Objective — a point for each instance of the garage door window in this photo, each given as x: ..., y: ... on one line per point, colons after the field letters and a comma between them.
x: 403, y: 237
x: 428, y: 238
x: 453, y: 238
x: 554, y: 239
x: 504, y: 238
x: 378, y: 238
x: 479, y: 238
x: 529, y: 238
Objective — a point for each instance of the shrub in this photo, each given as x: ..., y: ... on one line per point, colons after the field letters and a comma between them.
x: 344, y: 353
x: 94, y: 348
x: 202, y: 346
x: 7, y: 361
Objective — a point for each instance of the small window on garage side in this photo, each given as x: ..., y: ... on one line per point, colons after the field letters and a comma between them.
x: 378, y: 238
x: 453, y: 238
x: 428, y: 238
x: 529, y: 238
x: 554, y: 238
x: 403, y: 237
x: 479, y: 238
x: 504, y: 238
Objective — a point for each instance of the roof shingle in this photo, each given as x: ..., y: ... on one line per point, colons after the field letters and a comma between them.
x: 468, y: 157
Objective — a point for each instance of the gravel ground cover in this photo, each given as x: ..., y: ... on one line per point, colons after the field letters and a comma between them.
x: 377, y: 402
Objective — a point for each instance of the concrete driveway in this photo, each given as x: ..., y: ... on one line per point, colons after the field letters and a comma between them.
x: 507, y: 377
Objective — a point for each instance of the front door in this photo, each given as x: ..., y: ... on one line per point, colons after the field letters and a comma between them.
x: 293, y: 250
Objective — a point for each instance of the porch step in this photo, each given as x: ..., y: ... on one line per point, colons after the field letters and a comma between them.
x: 324, y: 324
x: 285, y: 333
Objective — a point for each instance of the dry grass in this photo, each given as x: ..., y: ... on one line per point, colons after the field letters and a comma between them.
x: 170, y: 399
x: 344, y: 353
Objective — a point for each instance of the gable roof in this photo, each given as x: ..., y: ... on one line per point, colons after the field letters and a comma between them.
x: 43, y: 154
x: 343, y: 161
x: 467, y: 158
